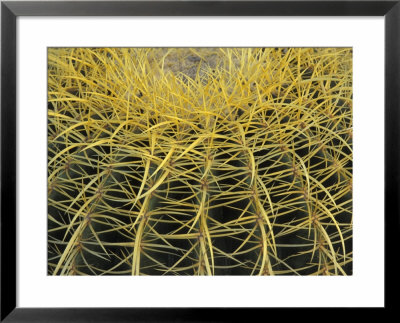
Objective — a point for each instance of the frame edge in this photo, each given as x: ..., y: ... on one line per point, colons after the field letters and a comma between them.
x: 392, y: 143
x: 8, y: 293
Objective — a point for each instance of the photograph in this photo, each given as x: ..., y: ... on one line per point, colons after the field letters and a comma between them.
x: 192, y: 161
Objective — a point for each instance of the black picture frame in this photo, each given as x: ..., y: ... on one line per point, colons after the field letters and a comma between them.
x: 11, y: 10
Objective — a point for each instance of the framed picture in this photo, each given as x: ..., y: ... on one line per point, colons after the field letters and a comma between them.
x: 146, y: 144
